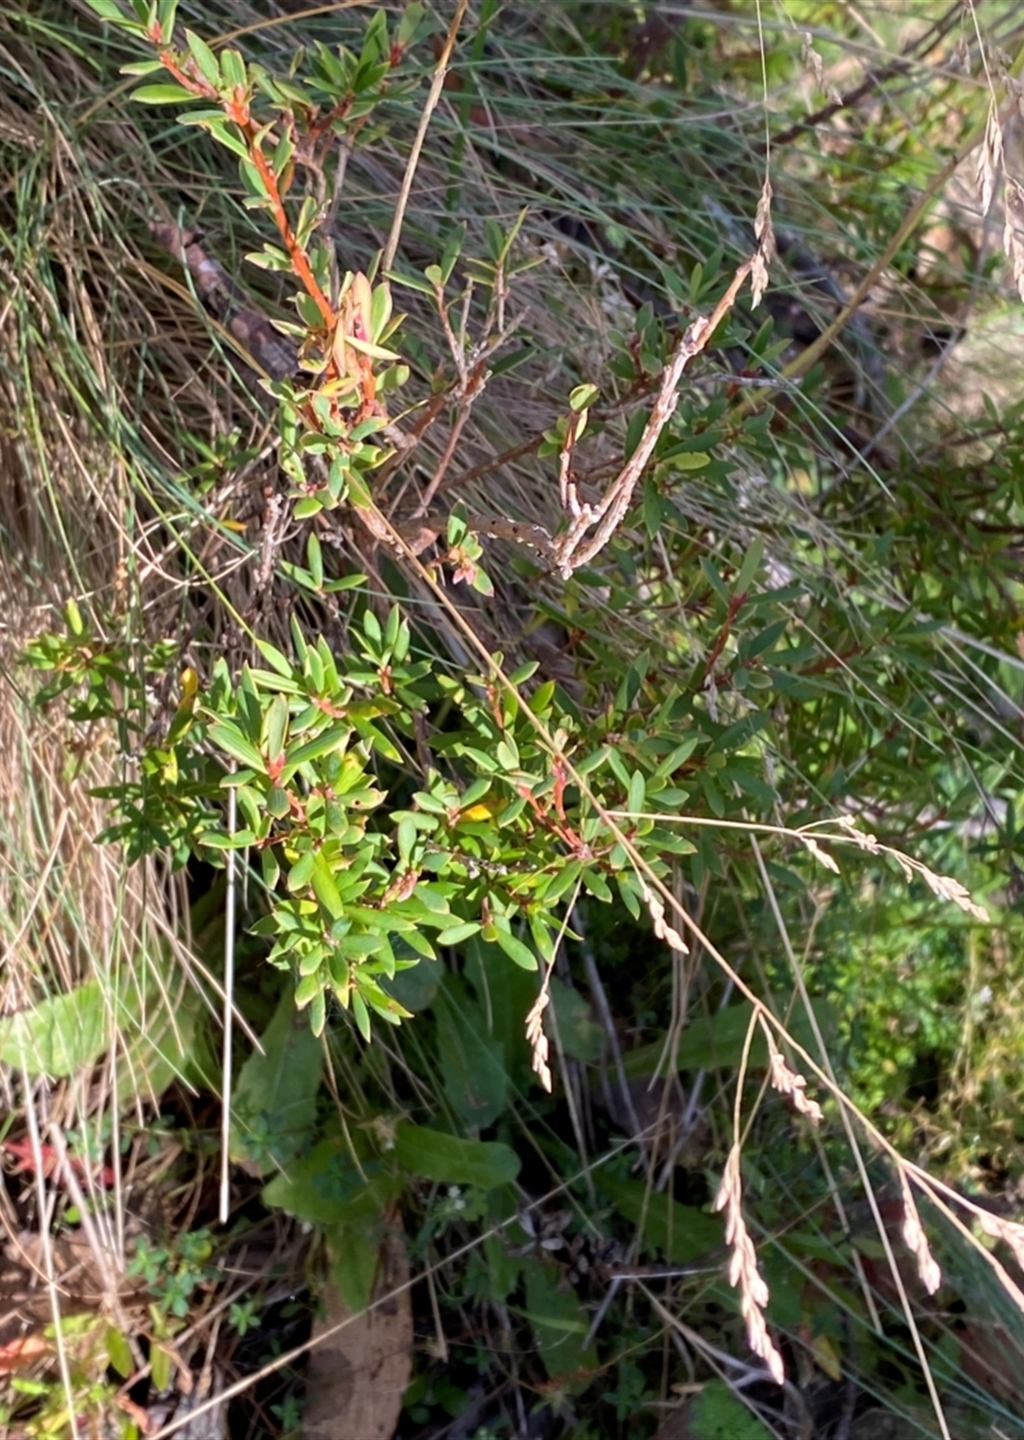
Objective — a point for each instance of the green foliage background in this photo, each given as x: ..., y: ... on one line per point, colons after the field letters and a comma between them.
x: 801, y: 643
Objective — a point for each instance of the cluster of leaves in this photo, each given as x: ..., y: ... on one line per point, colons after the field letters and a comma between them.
x: 95, y: 1353
x: 363, y: 873
x: 273, y: 125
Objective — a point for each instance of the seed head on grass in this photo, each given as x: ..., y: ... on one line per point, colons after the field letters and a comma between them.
x: 743, y: 1271
x: 787, y: 1081
x: 916, y: 1240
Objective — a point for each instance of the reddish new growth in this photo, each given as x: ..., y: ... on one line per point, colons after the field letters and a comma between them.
x: 22, y: 1151
x: 553, y: 817
x: 235, y: 105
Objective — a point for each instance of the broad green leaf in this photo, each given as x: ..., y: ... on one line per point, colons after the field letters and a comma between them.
x: 682, y: 1233
x: 559, y: 1324
x: 274, y: 1101
x: 716, y: 1041
x: 328, y: 1187
x: 504, y: 995
x: 58, y: 1036
x: 354, y: 1251
x: 472, y: 1061
x: 163, y: 1040
x: 154, y: 1014
x: 579, y: 1034
x: 717, y: 1414
x: 451, y: 1160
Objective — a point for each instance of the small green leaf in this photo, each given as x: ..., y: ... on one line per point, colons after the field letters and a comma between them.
x: 275, y: 659
x: 204, y: 58
x: 411, y: 282
x: 105, y: 9
x: 324, y: 888
x: 166, y: 15
x: 119, y: 1352
x: 161, y: 1368
x: 301, y: 872
x: 139, y: 68
x: 457, y: 933
x: 233, y: 69
x: 327, y: 743
x: 582, y: 396
x: 315, y: 559
x: 690, y: 460
x: 275, y: 1094
x: 749, y: 568
x: 361, y: 1014
x: 713, y: 578
x: 308, y: 988
x: 515, y: 949
x: 230, y: 739
x: 451, y: 252
x: 275, y: 723
x: 637, y: 793
x: 277, y: 802
x: 257, y: 187
x: 165, y: 94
